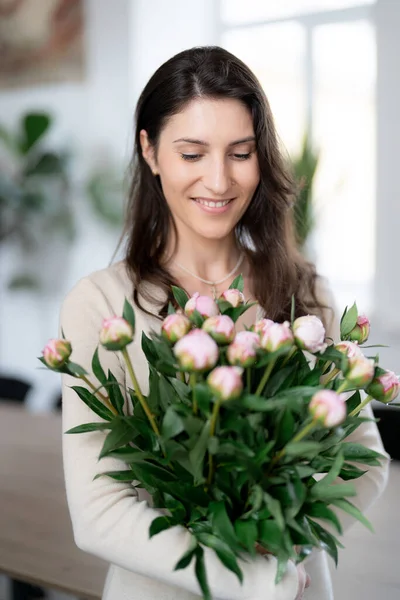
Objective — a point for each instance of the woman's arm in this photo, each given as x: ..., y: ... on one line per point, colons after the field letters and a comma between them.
x: 108, y: 519
x: 372, y: 484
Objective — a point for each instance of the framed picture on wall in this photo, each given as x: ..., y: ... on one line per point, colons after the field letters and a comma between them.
x: 41, y: 42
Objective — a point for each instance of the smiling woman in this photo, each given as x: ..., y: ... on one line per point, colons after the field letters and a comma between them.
x: 210, y: 199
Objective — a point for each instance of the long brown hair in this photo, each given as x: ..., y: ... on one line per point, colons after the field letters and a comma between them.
x: 264, y: 233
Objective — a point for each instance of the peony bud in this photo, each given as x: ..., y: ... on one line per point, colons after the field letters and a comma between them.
x: 233, y: 296
x: 385, y: 387
x: 328, y: 408
x: 277, y: 336
x: 243, y: 350
x: 175, y: 326
x: 309, y: 333
x: 221, y: 328
x: 360, y: 370
x: 350, y: 349
x: 203, y: 304
x: 262, y: 325
x: 56, y: 353
x: 116, y: 333
x: 226, y: 382
x: 196, y: 351
x: 360, y: 332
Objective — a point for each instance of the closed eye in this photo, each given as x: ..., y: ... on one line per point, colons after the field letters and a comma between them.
x: 194, y: 157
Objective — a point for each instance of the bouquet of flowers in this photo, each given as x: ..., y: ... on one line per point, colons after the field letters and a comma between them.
x: 241, y: 435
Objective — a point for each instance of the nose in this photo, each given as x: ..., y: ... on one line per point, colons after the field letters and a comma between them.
x: 217, y: 177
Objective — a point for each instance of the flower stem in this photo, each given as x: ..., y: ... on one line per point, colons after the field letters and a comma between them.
x: 289, y: 355
x: 101, y: 396
x: 193, y: 380
x: 139, y: 392
x: 213, y: 425
x: 342, y: 387
x: 265, y: 377
x: 297, y: 438
x: 362, y: 405
x: 248, y: 374
x: 330, y: 376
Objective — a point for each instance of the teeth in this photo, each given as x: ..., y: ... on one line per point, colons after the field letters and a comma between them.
x: 213, y: 204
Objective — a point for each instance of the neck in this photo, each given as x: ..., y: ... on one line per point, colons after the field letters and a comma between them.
x: 209, y: 259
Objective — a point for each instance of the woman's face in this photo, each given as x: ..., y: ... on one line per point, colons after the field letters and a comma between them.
x: 208, y: 166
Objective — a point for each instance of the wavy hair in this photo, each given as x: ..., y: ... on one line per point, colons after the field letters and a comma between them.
x: 265, y: 232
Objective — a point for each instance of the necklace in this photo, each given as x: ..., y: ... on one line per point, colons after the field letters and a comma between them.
x: 213, y: 284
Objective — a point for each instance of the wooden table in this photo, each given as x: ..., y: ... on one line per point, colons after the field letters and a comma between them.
x: 36, y: 541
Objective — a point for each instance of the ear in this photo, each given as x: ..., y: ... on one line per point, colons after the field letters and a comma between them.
x: 148, y: 151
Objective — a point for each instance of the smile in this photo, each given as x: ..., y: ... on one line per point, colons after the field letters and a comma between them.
x: 212, y: 203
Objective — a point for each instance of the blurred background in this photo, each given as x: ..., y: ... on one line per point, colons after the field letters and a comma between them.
x: 70, y: 74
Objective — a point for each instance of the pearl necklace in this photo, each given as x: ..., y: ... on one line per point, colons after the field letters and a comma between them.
x: 213, y: 284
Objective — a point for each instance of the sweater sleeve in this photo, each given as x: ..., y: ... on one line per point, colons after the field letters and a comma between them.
x: 107, y: 517
x: 371, y: 485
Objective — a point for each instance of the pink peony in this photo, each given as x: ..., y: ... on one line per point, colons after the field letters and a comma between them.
x: 116, y: 333
x: 385, y: 387
x: 328, y: 408
x: 175, y: 326
x: 360, y: 332
x: 221, y: 328
x: 243, y: 350
x: 226, y: 382
x: 206, y: 306
x: 56, y: 353
x: 360, y: 371
x: 309, y: 333
x: 234, y: 297
x: 277, y: 336
x: 262, y: 325
x: 196, y: 351
x: 350, y: 349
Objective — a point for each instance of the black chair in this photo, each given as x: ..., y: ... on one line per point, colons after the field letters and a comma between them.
x: 13, y: 389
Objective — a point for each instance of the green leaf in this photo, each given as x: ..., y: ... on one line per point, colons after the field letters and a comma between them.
x: 123, y: 476
x: 334, y: 492
x: 160, y: 524
x: 86, y: 427
x: 332, y: 475
x: 321, y: 511
x: 302, y: 448
x: 270, y: 535
x: 97, y: 369
x: 197, y: 318
x: 329, y: 542
x: 130, y: 455
x: 115, y: 394
x: 349, y: 321
x: 149, y: 350
x: 247, y: 532
x: 167, y: 393
x: 360, y: 453
x: 74, y: 369
x: 153, y: 474
x: 223, y: 551
x: 120, y: 434
x: 172, y: 424
x: 237, y: 283
x: 93, y: 403
x: 222, y: 525
x: 34, y: 126
x: 180, y: 296
x: 186, y: 558
x: 197, y: 454
x: 275, y: 509
x: 129, y: 314
x: 200, y: 570
x: 293, y: 309
x: 171, y: 309
x: 353, y: 511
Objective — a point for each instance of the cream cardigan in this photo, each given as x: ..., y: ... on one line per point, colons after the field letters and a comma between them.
x: 111, y: 521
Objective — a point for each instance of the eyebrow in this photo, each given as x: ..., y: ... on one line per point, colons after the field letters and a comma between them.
x: 250, y: 138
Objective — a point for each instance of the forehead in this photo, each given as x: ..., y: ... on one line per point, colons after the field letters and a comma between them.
x: 210, y: 119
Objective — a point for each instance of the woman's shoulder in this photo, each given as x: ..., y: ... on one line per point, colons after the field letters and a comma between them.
x: 110, y: 284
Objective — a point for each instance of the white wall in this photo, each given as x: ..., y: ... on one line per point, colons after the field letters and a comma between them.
x: 125, y: 42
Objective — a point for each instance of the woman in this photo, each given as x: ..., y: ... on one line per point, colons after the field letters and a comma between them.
x: 210, y: 198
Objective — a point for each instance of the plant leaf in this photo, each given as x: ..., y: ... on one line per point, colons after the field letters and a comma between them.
x: 86, y: 427
x: 237, y: 283
x: 223, y: 551
x: 160, y: 524
x: 180, y: 296
x: 97, y: 369
x: 353, y: 511
x: 120, y: 434
x: 349, y: 320
x: 200, y: 570
x: 93, y: 403
x: 129, y: 314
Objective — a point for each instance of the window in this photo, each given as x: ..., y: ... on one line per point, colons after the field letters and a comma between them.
x: 318, y: 71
